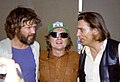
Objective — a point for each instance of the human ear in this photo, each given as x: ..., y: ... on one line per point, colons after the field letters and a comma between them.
x: 95, y: 31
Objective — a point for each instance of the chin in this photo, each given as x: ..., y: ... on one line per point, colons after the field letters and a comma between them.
x: 30, y: 42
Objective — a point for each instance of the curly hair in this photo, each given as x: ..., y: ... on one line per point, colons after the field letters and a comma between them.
x: 15, y: 18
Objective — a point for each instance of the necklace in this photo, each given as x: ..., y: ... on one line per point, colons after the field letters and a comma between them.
x: 64, y: 71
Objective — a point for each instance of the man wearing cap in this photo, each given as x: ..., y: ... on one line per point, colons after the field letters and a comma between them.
x: 58, y: 63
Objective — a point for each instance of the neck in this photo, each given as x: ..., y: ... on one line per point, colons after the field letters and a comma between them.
x: 17, y: 44
x: 58, y: 53
x: 95, y: 48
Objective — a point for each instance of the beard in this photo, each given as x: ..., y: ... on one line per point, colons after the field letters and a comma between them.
x: 26, y: 40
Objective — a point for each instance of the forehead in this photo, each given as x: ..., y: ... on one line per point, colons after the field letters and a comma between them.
x: 59, y: 30
x: 82, y: 24
x: 28, y: 22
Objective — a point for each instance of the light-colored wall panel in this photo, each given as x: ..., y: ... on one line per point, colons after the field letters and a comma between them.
x: 110, y: 10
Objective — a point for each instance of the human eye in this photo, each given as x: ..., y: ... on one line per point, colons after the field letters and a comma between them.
x: 81, y: 30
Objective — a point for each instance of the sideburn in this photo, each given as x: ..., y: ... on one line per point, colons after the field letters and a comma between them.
x: 96, y: 37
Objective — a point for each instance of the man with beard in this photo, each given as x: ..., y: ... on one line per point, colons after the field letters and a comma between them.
x: 20, y: 26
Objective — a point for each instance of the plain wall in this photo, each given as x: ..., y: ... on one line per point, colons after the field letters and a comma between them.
x: 110, y: 10
x: 49, y: 11
x: 64, y: 10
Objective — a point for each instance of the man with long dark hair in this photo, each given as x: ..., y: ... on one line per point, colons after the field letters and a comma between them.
x: 99, y: 58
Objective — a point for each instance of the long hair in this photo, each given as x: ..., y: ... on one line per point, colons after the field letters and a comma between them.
x: 95, y: 20
x: 15, y: 18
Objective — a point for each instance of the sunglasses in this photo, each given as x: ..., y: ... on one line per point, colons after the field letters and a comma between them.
x: 56, y: 34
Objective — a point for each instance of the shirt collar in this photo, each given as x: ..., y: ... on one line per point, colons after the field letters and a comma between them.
x: 103, y: 46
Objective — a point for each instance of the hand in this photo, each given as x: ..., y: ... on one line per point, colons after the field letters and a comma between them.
x: 10, y: 67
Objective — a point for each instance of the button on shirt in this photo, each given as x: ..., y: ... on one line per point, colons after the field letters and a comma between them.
x: 62, y: 69
x: 92, y: 66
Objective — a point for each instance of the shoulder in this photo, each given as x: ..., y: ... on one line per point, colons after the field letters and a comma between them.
x: 112, y: 41
x: 113, y: 44
x: 74, y: 56
x: 73, y: 53
x: 7, y: 40
x: 36, y: 43
x: 5, y: 47
x: 5, y: 43
x: 43, y: 54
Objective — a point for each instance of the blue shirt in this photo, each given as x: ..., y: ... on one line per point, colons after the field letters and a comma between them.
x: 25, y: 58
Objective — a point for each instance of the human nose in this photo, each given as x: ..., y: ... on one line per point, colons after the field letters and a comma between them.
x: 78, y: 33
x: 59, y: 36
x: 33, y: 30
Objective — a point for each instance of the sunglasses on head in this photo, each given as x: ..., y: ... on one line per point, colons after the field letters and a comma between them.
x: 56, y: 34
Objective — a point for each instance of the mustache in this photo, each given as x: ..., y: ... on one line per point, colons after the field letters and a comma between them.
x: 34, y: 35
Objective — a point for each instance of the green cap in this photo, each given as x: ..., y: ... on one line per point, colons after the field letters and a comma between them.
x: 57, y: 25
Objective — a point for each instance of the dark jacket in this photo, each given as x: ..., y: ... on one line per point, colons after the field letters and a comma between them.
x: 109, y: 64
